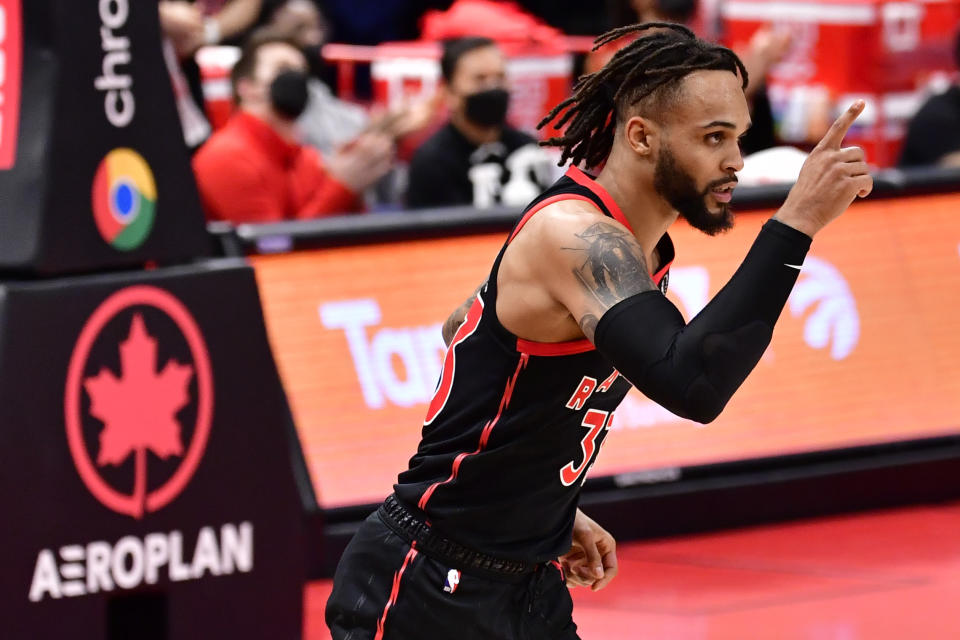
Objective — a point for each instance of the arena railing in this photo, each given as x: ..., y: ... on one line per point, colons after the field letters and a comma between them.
x: 278, y: 237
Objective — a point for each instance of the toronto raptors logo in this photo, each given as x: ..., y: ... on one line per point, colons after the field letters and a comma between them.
x: 139, y: 400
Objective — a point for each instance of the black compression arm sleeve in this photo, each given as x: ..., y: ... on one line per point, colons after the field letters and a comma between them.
x: 693, y: 369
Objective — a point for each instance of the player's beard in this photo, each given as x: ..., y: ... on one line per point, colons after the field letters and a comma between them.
x: 680, y: 189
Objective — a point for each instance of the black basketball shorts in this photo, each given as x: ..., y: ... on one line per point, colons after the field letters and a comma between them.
x: 385, y: 588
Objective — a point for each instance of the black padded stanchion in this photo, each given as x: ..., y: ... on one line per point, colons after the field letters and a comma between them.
x: 152, y: 485
x: 147, y: 479
x: 93, y: 169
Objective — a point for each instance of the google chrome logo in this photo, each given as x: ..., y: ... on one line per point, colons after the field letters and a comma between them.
x: 124, y: 199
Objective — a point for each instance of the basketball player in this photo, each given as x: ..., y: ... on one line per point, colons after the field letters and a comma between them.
x: 571, y: 315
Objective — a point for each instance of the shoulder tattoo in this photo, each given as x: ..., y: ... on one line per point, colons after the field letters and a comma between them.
x: 613, y: 267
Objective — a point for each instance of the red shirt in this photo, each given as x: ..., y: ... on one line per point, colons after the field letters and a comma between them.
x: 248, y: 173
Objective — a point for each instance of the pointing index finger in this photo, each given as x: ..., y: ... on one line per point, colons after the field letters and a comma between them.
x: 834, y: 136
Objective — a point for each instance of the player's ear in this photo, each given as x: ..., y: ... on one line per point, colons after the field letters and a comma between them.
x: 639, y: 133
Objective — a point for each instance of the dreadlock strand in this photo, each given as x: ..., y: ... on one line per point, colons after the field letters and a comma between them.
x: 579, y: 138
x: 567, y: 116
x: 556, y: 110
x: 600, y: 146
x: 650, y: 89
x: 600, y: 138
x: 640, y: 67
x: 582, y: 111
x: 585, y: 86
x: 667, y: 71
x: 615, y: 34
x: 646, y: 48
x: 574, y: 112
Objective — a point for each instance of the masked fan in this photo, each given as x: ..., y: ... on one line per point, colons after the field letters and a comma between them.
x: 476, y: 158
x: 255, y: 168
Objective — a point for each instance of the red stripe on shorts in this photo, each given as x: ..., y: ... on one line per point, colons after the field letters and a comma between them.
x: 395, y: 591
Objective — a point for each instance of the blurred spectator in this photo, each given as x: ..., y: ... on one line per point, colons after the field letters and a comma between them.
x: 255, y: 170
x: 766, y: 48
x: 186, y: 27
x: 328, y: 122
x: 190, y: 25
x: 181, y: 24
x: 933, y: 135
x: 302, y: 22
x: 476, y: 158
x: 231, y: 21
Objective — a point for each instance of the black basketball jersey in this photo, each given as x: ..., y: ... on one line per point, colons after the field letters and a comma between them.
x: 515, y: 425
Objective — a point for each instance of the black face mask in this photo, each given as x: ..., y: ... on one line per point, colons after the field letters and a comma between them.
x: 487, y: 108
x: 288, y: 93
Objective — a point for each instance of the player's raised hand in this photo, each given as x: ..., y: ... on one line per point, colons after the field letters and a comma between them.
x: 830, y: 179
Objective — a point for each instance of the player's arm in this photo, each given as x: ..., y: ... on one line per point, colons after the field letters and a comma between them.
x: 694, y: 369
x: 457, y: 317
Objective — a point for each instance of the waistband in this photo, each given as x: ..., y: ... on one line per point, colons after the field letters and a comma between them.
x: 410, y: 526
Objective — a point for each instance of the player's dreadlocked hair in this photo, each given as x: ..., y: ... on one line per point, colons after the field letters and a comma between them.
x: 649, y: 66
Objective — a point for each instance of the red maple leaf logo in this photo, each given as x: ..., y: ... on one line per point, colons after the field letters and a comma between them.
x: 139, y: 409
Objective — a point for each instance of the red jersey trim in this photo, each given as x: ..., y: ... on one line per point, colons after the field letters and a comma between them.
x: 554, y: 348
x: 543, y: 203
x: 484, y: 436
x: 584, y: 180
x: 448, y: 373
x: 395, y: 591
x: 658, y: 276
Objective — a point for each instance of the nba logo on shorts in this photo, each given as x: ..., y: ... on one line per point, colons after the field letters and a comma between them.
x: 453, y: 579
x: 124, y: 199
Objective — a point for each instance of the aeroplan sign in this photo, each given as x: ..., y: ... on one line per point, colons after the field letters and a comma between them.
x: 79, y: 570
